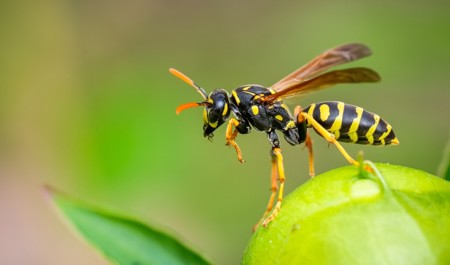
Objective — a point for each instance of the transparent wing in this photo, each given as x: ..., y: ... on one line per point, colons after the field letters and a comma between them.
x: 332, y: 57
x: 350, y: 75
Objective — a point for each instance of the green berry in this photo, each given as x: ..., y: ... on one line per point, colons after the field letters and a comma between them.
x: 394, y: 215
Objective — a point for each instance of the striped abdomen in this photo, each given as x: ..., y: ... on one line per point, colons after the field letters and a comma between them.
x: 352, y: 124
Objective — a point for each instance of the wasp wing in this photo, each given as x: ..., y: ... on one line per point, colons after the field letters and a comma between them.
x: 350, y: 75
x: 332, y: 57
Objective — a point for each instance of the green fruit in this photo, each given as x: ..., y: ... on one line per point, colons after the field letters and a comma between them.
x: 396, y: 215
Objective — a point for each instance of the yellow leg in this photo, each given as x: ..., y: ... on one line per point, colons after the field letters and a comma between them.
x: 231, y: 135
x: 308, y: 144
x: 329, y: 137
x: 273, y: 189
x: 280, y: 168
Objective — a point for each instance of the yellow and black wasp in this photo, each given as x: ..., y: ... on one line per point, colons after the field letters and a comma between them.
x: 263, y: 109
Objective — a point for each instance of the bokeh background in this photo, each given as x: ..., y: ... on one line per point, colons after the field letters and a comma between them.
x: 87, y: 105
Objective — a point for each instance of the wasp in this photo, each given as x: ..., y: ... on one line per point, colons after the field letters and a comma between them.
x: 262, y: 108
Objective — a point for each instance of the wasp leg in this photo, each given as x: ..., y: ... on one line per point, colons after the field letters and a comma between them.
x: 308, y: 144
x: 329, y: 137
x: 231, y: 135
x: 278, y: 163
x: 273, y: 189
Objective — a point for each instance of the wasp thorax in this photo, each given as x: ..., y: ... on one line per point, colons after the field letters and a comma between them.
x: 216, y: 111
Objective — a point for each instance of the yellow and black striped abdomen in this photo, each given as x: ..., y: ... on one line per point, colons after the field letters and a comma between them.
x: 352, y: 124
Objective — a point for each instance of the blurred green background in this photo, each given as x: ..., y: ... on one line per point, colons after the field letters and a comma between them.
x: 87, y: 105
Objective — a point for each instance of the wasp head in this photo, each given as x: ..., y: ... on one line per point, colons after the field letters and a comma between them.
x: 216, y: 105
x: 216, y: 111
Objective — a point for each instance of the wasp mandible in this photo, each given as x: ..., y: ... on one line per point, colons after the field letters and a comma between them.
x: 262, y: 108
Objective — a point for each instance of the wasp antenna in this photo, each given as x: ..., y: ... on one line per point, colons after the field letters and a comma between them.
x: 189, y: 81
x: 187, y: 106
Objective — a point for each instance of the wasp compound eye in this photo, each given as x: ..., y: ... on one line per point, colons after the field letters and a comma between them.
x: 216, y: 111
x: 218, y: 105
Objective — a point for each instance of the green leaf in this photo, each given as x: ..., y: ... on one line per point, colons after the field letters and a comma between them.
x: 123, y: 240
x: 396, y: 216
